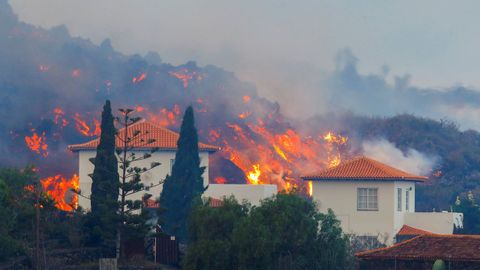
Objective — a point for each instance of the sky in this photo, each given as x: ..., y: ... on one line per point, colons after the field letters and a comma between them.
x: 284, y: 47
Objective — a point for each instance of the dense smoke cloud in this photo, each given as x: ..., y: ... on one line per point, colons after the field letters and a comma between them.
x: 411, y: 161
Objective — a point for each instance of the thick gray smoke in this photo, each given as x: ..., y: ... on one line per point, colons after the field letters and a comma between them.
x: 412, y: 161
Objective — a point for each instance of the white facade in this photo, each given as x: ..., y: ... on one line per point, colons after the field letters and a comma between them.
x: 390, y: 213
x: 251, y: 193
x: 150, y: 178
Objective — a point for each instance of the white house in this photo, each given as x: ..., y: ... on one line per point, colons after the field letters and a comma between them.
x: 374, y: 200
x: 165, y: 141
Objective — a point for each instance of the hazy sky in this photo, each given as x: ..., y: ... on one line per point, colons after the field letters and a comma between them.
x: 284, y: 46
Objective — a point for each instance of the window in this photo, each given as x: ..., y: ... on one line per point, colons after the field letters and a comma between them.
x: 367, y: 199
x: 407, y: 200
x: 172, y: 161
x: 399, y: 199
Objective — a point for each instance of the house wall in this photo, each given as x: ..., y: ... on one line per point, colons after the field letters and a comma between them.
x: 341, y: 197
x: 399, y: 216
x: 149, y: 178
x: 435, y: 222
x: 251, y: 193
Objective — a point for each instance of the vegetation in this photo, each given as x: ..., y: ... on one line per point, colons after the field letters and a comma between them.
x: 471, y: 215
x: 103, y: 218
x: 285, y: 232
x: 185, y: 185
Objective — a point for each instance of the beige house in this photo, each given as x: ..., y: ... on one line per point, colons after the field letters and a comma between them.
x: 165, y: 141
x: 374, y: 200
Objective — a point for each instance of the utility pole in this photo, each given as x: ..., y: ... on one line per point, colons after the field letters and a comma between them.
x: 37, y: 226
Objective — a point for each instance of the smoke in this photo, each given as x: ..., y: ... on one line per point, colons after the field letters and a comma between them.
x: 410, y: 161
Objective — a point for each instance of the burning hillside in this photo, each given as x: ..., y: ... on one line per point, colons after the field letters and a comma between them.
x: 56, y: 94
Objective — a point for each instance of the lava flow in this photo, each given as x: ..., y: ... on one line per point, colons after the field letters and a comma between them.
x: 62, y: 191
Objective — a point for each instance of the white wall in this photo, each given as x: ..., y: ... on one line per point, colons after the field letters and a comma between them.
x: 341, y: 197
x: 149, y: 178
x: 251, y: 193
x: 435, y: 222
x: 399, y: 216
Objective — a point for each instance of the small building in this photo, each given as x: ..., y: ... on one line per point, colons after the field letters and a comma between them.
x: 460, y: 252
x: 374, y: 200
x: 164, y: 140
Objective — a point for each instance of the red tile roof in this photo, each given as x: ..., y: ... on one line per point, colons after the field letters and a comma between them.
x: 165, y: 139
x: 463, y: 248
x: 363, y: 168
x: 407, y: 230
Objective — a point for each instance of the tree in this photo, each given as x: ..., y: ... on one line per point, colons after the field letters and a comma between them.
x: 284, y: 232
x: 185, y: 185
x: 105, y: 188
x: 471, y: 215
x: 210, y: 232
x: 132, y: 215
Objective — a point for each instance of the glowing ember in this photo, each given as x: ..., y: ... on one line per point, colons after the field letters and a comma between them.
x: 220, y: 180
x: 76, y: 73
x: 246, y: 99
x: 83, y: 128
x: 59, y: 117
x: 244, y: 115
x: 186, y: 76
x: 310, y: 188
x: 139, y: 78
x: 37, y: 143
x: 60, y: 189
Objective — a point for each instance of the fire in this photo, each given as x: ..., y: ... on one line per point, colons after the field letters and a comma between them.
x: 220, y: 180
x: 244, y: 115
x: 37, y: 143
x: 253, y: 176
x: 186, y: 76
x: 139, y: 78
x: 246, y: 99
x: 59, y: 117
x: 83, y: 128
x: 310, y: 188
x: 332, y: 140
x: 60, y: 189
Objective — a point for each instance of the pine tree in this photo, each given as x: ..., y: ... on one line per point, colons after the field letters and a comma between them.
x: 185, y: 185
x: 105, y: 185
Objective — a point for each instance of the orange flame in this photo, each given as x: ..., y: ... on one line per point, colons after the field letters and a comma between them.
x: 310, y: 188
x: 253, y: 176
x: 220, y: 180
x: 83, y: 128
x: 186, y: 76
x: 60, y: 189
x: 37, y: 143
x: 139, y: 78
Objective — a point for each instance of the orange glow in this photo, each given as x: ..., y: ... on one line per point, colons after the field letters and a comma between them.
x: 310, y: 188
x: 86, y: 130
x: 139, y: 78
x: 37, y: 143
x: 332, y: 141
x: 220, y: 180
x: 253, y: 176
x: 60, y: 189
x: 246, y: 99
x: 139, y: 109
x: 76, y: 73
x: 59, y: 117
x: 185, y: 76
x: 244, y: 115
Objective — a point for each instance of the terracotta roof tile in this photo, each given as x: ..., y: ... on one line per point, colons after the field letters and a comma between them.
x: 429, y: 247
x: 407, y: 230
x: 164, y: 139
x: 363, y: 168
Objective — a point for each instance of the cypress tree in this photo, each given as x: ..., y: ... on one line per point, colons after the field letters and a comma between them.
x: 105, y: 185
x: 185, y: 185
